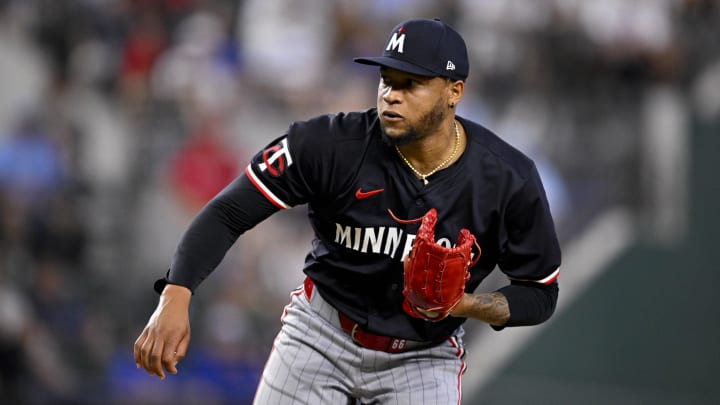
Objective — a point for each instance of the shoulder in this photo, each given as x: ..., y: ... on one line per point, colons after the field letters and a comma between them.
x: 333, y: 145
x: 333, y: 141
x: 337, y: 127
x: 489, y: 145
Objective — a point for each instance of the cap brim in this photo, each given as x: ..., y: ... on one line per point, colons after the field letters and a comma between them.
x: 392, y: 63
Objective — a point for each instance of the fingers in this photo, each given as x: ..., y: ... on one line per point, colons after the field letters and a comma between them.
x: 157, y: 354
x: 148, y: 352
x: 172, y: 354
x: 168, y: 358
x: 182, y: 346
x: 169, y: 362
x: 154, y: 360
x: 136, y: 348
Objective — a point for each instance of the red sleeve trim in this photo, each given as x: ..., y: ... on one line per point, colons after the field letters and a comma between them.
x: 545, y: 281
x: 255, y: 180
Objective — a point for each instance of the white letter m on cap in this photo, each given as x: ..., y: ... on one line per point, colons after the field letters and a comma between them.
x: 396, y: 43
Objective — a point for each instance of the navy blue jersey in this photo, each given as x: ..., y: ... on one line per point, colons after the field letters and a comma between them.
x: 340, y: 166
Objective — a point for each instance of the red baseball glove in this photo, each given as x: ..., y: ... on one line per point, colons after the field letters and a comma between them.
x: 434, y: 275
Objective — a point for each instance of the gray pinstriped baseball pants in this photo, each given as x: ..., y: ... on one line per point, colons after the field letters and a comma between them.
x: 314, y: 362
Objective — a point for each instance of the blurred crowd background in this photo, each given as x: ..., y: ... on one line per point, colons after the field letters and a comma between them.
x: 119, y: 119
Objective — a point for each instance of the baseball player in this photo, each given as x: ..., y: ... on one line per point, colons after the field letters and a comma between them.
x: 412, y: 207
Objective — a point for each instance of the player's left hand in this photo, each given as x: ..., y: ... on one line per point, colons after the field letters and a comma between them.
x: 434, y: 275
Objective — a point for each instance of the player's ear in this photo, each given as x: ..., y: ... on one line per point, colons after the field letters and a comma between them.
x: 456, y: 88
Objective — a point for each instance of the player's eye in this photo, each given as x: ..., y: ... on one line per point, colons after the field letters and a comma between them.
x: 404, y: 82
x: 399, y: 84
x: 409, y: 83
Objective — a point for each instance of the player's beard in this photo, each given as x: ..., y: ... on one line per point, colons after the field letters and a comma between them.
x: 426, y: 125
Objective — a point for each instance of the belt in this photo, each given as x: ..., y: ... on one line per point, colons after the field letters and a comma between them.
x: 369, y: 340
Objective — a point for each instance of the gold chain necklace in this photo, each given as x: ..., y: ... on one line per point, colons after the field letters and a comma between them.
x: 424, y: 177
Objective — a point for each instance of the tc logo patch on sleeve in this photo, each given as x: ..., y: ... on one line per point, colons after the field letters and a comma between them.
x: 276, y: 158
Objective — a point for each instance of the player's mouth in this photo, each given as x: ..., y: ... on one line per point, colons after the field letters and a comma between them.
x: 392, y: 116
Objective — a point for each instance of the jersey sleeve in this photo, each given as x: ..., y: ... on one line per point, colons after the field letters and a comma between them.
x: 530, y: 255
x: 287, y: 172
x: 529, y: 248
x: 292, y: 168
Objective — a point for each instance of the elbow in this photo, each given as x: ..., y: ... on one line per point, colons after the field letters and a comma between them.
x: 551, y: 298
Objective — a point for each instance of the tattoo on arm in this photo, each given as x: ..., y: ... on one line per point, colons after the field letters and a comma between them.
x: 491, y: 308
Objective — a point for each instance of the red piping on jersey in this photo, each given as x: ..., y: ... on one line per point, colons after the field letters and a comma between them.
x: 264, y: 190
x: 544, y: 281
x: 551, y: 278
x: 427, y: 230
x: 404, y: 221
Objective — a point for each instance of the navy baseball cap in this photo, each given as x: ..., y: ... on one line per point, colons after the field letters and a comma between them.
x: 425, y: 48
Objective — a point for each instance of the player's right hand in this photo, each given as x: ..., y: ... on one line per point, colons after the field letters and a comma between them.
x: 164, y: 341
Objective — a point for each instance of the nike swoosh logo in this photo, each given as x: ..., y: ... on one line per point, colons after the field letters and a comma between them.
x: 359, y: 194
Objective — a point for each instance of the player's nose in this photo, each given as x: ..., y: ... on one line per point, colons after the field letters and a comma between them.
x: 391, y: 95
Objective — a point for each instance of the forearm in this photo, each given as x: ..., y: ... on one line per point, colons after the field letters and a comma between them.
x: 512, y: 305
x: 530, y: 303
x: 491, y: 308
